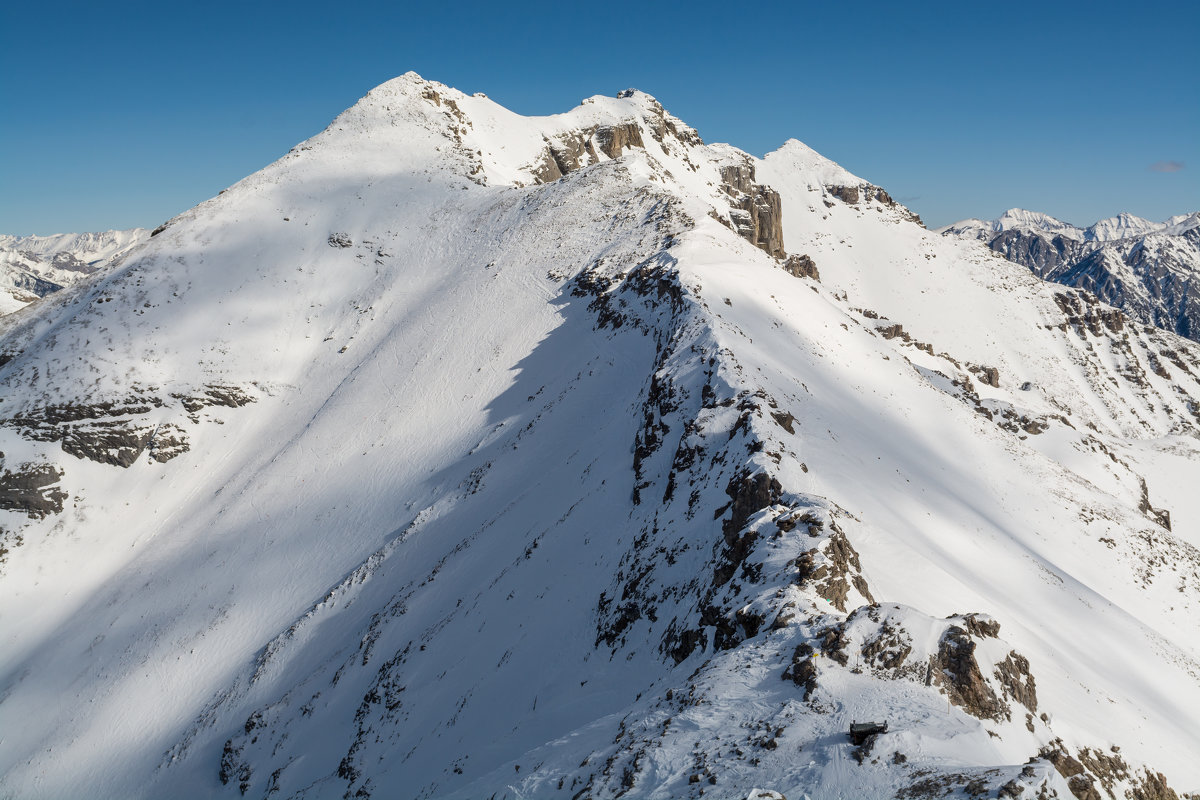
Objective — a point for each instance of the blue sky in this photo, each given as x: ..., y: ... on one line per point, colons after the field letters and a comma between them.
x: 123, y: 114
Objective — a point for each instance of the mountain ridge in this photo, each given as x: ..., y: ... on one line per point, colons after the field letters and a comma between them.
x: 1121, y: 226
x: 346, y: 568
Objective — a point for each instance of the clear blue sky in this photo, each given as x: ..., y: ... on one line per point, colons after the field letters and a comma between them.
x: 123, y: 114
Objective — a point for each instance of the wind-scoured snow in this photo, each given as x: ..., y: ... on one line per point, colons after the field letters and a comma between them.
x: 462, y: 454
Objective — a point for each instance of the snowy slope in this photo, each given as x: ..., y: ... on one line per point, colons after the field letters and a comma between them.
x: 34, y: 266
x: 1121, y: 226
x: 462, y: 454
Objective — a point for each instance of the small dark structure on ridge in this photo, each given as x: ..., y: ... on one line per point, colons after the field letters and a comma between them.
x: 860, y: 731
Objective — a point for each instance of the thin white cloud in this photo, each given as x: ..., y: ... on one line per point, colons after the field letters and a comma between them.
x: 1166, y: 166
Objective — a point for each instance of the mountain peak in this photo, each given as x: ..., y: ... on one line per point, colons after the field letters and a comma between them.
x: 1024, y: 218
x: 435, y: 127
x: 639, y: 95
x: 816, y: 168
x: 1122, y: 226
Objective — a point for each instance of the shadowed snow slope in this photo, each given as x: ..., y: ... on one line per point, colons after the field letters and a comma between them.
x: 462, y: 454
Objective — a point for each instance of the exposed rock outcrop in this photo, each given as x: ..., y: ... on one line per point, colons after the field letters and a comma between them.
x: 548, y: 169
x: 1017, y: 682
x: 866, y: 193
x: 802, y: 671
x: 757, y: 211
x: 118, y: 432
x: 957, y: 671
x: 988, y: 375
x: 802, y: 267
x: 750, y: 494
x: 168, y: 441
x: 115, y: 442
x: 1091, y: 770
x: 1160, y: 516
x: 847, y: 194
x: 566, y: 153
x: 832, y: 568
x: 614, y: 139
x: 108, y: 432
x: 214, y: 394
x: 32, y: 489
x: 1085, y: 313
x: 761, y: 220
x: 737, y: 179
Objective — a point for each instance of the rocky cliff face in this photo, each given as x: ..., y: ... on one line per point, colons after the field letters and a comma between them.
x: 1044, y: 255
x: 756, y: 213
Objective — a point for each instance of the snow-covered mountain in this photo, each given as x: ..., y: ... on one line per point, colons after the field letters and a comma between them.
x: 1122, y: 226
x: 460, y: 454
x: 1013, y: 219
x: 34, y: 266
x: 1149, y: 270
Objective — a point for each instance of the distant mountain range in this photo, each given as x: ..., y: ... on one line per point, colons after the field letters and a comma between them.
x: 1149, y: 270
x: 35, y: 266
